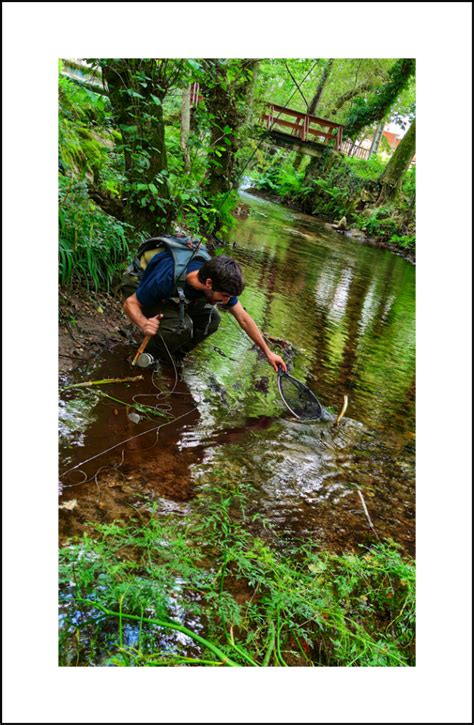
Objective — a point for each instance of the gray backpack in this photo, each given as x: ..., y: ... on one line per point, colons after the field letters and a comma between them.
x: 182, y: 249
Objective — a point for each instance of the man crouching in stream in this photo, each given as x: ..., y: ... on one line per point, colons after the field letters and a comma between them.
x: 155, y: 309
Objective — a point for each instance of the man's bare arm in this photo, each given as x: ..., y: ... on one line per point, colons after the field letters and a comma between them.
x: 133, y: 310
x: 249, y: 326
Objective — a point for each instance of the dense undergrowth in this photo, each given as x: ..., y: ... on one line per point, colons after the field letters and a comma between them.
x: 93, y: 245
x: 214, y: 589
x: 111, y: 196
x: 95, y: 241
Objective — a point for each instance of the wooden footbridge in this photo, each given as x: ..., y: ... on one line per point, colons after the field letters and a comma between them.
x: 306, y: 133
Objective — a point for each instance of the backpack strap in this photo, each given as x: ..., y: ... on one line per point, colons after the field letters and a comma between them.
x: 184, y: 251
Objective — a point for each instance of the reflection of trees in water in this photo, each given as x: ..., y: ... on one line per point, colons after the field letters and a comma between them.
x: 358, y: 289
x: 404, y: 408
x: 350, y: 310
x: 379, y: 319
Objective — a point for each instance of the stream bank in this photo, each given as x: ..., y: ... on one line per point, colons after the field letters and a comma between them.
x: 90, y: 322
x: 352, y: 234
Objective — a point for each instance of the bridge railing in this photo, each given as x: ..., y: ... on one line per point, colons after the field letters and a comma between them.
x: 359, y: 152
x: 304, y: 126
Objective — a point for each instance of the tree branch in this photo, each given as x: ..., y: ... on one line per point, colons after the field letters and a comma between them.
x: 350, y: 94
x: 111, y: 205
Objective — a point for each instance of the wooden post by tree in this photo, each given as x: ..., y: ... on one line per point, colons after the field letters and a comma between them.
x: 377, y: 138
x: 185, y: 125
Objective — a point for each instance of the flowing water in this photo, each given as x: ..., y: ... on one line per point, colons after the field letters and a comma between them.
x: 344, y: 315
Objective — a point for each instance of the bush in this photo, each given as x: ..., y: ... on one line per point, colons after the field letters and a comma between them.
x: 365, y: 168
x: 280, y: 176
x: 379, y: 223
x: 92, y: 245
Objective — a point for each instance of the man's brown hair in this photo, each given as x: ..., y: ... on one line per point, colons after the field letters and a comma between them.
x: 225, y: 274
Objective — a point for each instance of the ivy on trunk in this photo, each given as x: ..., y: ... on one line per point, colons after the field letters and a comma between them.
x: 226, y: 87
x: 136, y: 89
x: 366, y: 112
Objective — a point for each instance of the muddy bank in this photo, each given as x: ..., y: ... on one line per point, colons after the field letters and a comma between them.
x: 90, y: 323
x: 352, y: 234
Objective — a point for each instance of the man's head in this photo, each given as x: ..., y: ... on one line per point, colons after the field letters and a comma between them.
x: 222, y: 278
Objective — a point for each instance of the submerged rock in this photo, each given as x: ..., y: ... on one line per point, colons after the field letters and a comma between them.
x: 262, y: 385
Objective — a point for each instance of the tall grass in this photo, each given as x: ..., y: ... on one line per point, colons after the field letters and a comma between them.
x: 92, y: 245
x: 130, y: 592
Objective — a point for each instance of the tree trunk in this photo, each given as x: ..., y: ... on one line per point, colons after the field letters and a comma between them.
x: 313, y: 105
x: 365, y: 113
x: 319, y: 91
x: 138, y: 113
x: 398, y: 164
x: 226, y: 102
x: 348, y: 96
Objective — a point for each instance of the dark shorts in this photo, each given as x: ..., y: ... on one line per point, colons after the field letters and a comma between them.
x: 201, y: 319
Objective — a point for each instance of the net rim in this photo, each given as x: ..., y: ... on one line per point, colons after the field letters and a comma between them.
x: 282, y: 374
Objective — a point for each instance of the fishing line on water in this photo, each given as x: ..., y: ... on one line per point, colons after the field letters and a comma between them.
x: 166, y: 408
x: 117, y: 445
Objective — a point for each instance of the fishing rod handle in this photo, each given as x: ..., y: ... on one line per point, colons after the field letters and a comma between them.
x: 143, y: 345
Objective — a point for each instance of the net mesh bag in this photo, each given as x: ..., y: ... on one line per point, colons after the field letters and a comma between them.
x: 298, y: 398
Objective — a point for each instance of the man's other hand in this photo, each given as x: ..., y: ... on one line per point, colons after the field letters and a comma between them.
x: 276, y: 361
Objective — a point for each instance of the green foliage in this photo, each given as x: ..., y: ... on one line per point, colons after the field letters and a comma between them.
x: 140, y: 175
x: 280, y: 176
x: 198, y: 212
x: 408, y: 188
x: 92, y: 244
x: 83, y: 132
x: 379, y: 222
x: 406, y: 241
x: 366, y: 111
x: 125, y: 589
x: 275, y: 84
x: 337, y: 198
x: 365, y: 168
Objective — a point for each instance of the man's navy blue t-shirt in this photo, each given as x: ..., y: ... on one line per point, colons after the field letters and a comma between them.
x: 157, y: 281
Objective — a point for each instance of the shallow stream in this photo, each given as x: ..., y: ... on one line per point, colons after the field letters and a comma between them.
x: 345, y: 312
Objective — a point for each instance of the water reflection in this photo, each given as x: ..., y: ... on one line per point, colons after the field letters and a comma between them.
x: 348, y: 312
x: 349, y: 308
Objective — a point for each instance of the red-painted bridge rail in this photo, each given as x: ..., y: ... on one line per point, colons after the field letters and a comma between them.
x: 304, y: 126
